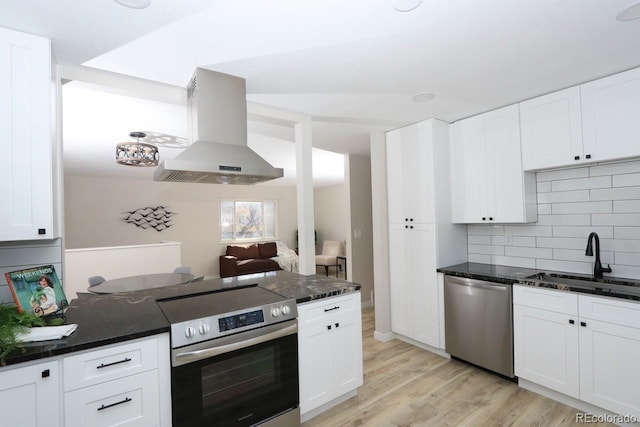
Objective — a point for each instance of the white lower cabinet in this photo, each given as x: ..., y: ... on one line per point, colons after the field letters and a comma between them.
x: 583, y: 346
x: 330, y: 349
x: 126, y: 384
x: 30, y: 395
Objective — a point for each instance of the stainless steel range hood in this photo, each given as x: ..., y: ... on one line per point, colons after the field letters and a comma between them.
x: 217, y: 108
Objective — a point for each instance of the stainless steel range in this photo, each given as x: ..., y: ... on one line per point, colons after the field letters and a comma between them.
x: 234, y: 356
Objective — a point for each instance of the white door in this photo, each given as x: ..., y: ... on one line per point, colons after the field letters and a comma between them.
x: 609, y: 367
x: 546, y: 348
x: 551, y: 127
x: 610, y: 116
x: 400, y: 286
x: 424, y: 281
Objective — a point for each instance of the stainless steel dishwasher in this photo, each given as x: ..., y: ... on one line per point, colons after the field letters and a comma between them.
x: 479, y: 323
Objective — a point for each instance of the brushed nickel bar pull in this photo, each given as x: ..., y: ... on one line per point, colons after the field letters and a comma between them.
x: 126, y: 399
x: 105, y: 365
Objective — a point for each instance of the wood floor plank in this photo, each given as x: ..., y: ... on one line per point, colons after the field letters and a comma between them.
x: 405, y: 386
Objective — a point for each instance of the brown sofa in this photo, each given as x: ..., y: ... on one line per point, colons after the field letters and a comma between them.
x: 255, y: 258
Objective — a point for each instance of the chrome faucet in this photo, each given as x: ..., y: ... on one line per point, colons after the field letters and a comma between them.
x: 598, y: 269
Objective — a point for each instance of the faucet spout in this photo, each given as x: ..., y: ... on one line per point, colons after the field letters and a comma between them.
x: 598, y: 269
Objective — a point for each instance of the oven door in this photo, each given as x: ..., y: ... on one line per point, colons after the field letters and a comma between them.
x: 239, y: 380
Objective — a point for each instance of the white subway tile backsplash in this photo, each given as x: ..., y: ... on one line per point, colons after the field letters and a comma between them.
x: 524, y: 252
x: 485, y: 249
x: 581, y: 183
x: 581, y: 207
x: 619, y: 193
x: 626, y: 206
x: 571, y: 204
x: 563, y: 174
x: 543, y: 187
x: 616, y: 219
x: 570, y: 266
x: 577, y: 219
x: 524, y: 241
x: 481, y: 258
x: 565, y: 196
x: 626, y: 232
x: 562, y: 242
x: 478, y: 240
x: 573, y: 231
x: 625, y: 258
x: 626, y: 180
x: 514, y: 262
x: 544, y: 209
x: 615, y: 168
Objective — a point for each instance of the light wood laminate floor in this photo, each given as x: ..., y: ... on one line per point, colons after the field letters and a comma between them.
x: 407, y: 386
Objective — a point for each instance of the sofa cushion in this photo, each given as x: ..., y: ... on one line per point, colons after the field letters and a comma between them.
x: 268, y: 250
x: 244, y: 252
x: 256, y: 265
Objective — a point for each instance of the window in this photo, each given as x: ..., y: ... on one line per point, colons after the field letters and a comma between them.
x: 248, y: 220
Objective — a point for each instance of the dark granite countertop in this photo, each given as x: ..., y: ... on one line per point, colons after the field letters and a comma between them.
x: 112, y: 318
x: 612, y: 286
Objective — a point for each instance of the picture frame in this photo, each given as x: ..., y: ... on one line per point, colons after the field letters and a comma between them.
x: 37, y: 290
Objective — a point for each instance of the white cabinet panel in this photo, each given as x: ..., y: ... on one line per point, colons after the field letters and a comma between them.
x: 330, y: 349
x: 551, y: 127
x: 488, y: 181
x: 610, y: 116
x: 30, y: 395
x: 26, y: 164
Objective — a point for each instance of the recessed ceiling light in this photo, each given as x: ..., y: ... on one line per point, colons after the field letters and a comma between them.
x: 630, y: 12
x: 134, y: 4
x: 423, y: 97
x: 406, y: 5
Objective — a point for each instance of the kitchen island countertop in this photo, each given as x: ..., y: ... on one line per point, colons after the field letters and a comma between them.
x: 112, y: 318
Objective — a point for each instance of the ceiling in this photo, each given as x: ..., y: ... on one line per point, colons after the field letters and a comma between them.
x: 354, y: 65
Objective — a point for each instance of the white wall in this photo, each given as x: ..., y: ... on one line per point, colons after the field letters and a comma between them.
x: 360, y: 240
x: 94, y: 208
x: 571, y: 204
x: 331, y: 213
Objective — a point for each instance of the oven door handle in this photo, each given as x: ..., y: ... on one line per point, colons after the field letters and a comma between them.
x: 195, y: 355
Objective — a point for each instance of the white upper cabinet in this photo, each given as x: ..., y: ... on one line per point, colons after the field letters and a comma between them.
x: 551, y: 128
x: 610, y: 122
x: 593, y: 122
x: 410, y: 174
x: 26, y: 163
x: 488, y: 183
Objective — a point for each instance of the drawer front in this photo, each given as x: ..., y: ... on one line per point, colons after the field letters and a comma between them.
x: 130, y: 401
x: 546, y: 299
x: 106, y: 364
x: 313, y: 311
x: 610, y: 310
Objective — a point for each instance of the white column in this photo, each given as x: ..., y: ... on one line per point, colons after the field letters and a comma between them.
x: 304, y: 188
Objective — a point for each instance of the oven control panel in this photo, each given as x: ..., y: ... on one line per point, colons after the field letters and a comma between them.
x: 211, y: 327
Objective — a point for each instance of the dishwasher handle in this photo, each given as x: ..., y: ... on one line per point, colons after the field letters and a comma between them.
x: 473, y: 283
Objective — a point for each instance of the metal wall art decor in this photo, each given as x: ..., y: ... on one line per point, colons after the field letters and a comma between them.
x: 158, y: 217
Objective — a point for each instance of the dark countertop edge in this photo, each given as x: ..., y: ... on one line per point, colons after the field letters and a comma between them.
x: 53, y: 348
x: 17, y: 358
x: 517, y: 275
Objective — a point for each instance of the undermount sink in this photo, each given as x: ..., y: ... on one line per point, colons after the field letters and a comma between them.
x: 613, y: 286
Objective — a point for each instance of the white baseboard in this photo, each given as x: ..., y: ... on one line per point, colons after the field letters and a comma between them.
x: 383, y: 336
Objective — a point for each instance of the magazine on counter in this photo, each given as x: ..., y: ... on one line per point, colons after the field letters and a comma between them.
x: 37, y: 290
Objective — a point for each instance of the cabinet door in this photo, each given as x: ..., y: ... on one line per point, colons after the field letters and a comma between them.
x: 315, y: 371
x: 610, y: 116
x: 546, y: 349
x: 551, y: 128
x: 400, y: 286
x: 468, y: 160
x: 346, y: 345
x: 25, y: 137
x: 424, y: 281
x: 410, y: 184
x: 30, y: 396
x: 609, y: 369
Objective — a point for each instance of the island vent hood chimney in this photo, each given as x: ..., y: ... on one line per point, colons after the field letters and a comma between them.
x: 217, y: 111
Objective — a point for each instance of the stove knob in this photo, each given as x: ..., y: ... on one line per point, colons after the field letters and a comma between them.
x: 190, y: 332
x: 275, y: 312
x: 285, y: 310
x: 204, y: 328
